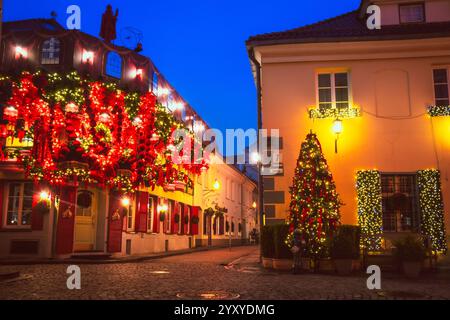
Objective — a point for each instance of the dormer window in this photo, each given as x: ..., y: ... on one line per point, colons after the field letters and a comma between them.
x: 50, y: 51
x: 412, y: 13
x: 113, y: 65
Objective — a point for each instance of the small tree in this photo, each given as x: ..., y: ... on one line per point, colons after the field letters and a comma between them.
x: 314, y: 207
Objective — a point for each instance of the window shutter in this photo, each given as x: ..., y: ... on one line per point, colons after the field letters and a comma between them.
x: 115, y: 223
x: 66, y: 220
x: 141, y: 212
x: 186, y: 214
x: 174, y: 225
x: 37, y: 218
x: 2, y: 195
x: 156, y: 222
x: 221, y: 225
x: 194, y: 226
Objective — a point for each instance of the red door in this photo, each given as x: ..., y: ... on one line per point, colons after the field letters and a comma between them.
x: 115, y: 223
x: 142, y: 212
x: 195, y: 214
x: 66, y: 220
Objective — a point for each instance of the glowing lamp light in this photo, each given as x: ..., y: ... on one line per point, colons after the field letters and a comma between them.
x: 104, y: 117
x: 255, y: 158
x: 139, y: 73
x: 254, y: 205
x: 162, y: 207
x: 11, y: 112
x: 87, y: 57
x: 125, y: 201
x: 44, y: 196
x: 216, y: 185
x: 21, y: 52
x: 178, y: 106
x: 137, y: 122
x: 337, y: 129
x: 71, y: 107
x: 337, y: 126
x: 163, y: 92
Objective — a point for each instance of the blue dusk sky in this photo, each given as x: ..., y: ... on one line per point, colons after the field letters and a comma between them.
x: 199, y: 45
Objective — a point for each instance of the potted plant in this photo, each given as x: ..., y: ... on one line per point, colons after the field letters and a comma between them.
x: 267, y: 246
x: 345, y: 248
x: 283, y: 258
x: 411, y: 252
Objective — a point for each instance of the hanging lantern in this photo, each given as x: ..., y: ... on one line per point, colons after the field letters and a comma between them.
x: 155, y: 137
x: 11, y: 112
x: 104, y: 117
x: 71, y: 107
x: 137, y: 122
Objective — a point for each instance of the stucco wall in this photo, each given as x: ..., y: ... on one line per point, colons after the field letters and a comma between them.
x: 379, y: 76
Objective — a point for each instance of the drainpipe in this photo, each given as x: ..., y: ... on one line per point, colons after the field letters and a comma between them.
x: 251, y: 54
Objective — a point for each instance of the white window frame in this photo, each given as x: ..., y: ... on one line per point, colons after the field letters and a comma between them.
x: 130, y: 215
x: 55, y: 50
x: 433, y: 83
x: 333, y: 87
x: 19, y: 214
x: 189, y: 223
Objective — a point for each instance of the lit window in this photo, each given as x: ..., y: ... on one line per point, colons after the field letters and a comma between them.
x: 412, y: 13
x: 50, y: 51
x: 19, y: 204
x: 333, y: 90
x: 113, y: 65
x: 440, y: 79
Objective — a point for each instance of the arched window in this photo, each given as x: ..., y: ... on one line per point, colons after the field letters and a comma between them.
x: 50, y: 51
x: 113, y: 65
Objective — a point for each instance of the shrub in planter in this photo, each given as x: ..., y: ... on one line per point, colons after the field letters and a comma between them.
x: 283, y: 258
x: 345, y: 248
x: 162, y: 216
x: 411, y: 252
x: 267, y: 246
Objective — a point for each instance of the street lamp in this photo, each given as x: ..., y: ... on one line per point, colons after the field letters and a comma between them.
x: 216, y: 185
x: 337, y: 129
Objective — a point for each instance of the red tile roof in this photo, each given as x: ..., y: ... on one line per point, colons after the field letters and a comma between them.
x: 350, y: 27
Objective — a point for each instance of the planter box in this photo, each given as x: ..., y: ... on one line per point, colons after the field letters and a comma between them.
x: 412, y: 268
x: 267, y: 263
x: 343, y: 266
x: 180, y: 185
x: 282, y: 264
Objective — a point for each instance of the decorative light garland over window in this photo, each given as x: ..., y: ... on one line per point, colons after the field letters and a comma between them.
x: 368, y: 188
x: 334, y: 113
x: 432, y: 208
x: 439, y: 111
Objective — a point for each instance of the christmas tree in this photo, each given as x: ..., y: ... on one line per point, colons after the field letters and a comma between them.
x: 314, y: 208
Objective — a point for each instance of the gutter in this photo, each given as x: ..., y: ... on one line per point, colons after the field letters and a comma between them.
x: 257, y: 65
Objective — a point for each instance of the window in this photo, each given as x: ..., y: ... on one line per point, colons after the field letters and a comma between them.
x: 151, y: 213
x: 129, y: 217
x: 84, y: 204
x: 50, y: 51
x: 412, y: 13
x: 170, y: 212
x: 188, y: 225
x: 400, y: 203
x: 113, y: 65
x: 440, y: 79
x: 333, y: 90
x: 155, y: 83
x: 19, y: 204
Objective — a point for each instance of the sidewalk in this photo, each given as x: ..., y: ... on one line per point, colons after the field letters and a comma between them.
x: 124, y: 259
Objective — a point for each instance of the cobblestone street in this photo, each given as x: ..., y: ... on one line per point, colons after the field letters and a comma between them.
x: 187, y: 276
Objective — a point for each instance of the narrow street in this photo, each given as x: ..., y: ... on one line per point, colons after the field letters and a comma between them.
x: 214, y: 274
